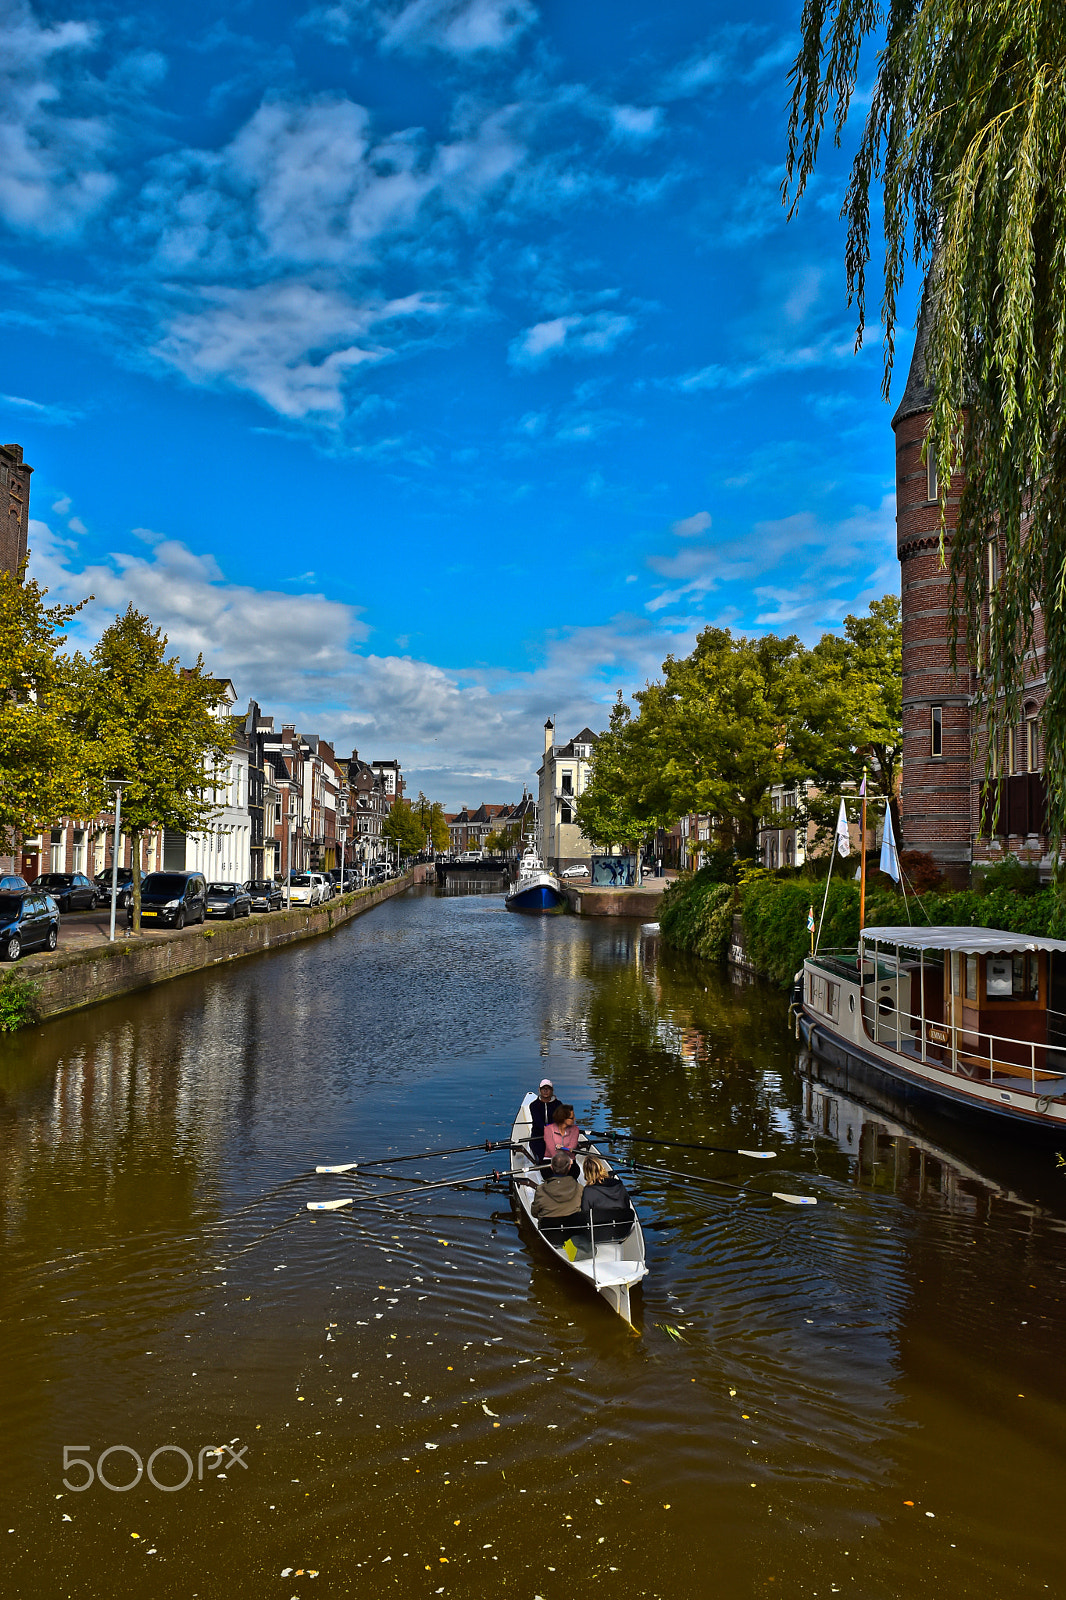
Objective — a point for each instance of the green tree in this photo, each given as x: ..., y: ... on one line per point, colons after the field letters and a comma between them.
x: 41, y: 758
x: 966, y: 139
x: 148, y: 720
x: 403, y: 827
x: 623, y: 798
x: 721, y: 728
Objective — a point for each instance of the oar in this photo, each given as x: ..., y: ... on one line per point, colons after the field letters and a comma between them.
x: 716, y: 1149
x: 422, y: 1155
x: 692, y: 1177
x: 404, y: 1194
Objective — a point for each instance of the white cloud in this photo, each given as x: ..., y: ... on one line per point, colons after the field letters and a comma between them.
x: 303, y: 658
x: 291, y: 344
x: 596, y: 333
x: 636, y: 122
x: 52, y: 173
x: 458, y: 27
x: 689, y: 526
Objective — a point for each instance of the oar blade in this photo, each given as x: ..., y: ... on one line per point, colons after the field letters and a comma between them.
x: 348, y: 1166
x: 795, y: 1199
x: 759, y: 1155
x: 328, y: 1205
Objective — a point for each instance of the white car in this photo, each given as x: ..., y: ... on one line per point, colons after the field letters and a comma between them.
x: 306, y: 889
x: 575, y: 872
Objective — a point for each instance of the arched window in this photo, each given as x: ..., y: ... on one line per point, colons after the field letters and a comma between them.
x: 1032, y: 739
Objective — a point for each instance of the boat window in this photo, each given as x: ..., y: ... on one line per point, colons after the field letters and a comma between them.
x: 956, y: 973
x: 1026, y: 977
x: 999, y: 978
x: 971, y: 977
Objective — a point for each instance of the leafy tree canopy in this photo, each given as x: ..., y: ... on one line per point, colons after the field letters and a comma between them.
x: 41, y: 756
x: 404, y: 828
x: 965, y: 140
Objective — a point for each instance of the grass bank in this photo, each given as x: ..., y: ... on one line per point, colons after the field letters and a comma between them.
x: 698, y: 911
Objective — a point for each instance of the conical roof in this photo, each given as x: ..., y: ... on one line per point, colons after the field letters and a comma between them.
x: 918, y: 391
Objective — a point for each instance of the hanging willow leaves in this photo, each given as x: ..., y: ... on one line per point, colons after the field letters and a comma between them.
x: 966, y: 139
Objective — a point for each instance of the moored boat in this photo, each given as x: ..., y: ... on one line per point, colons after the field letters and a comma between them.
x: 963, y: 1016
x: 611, y: 1266
x: 536, y: 889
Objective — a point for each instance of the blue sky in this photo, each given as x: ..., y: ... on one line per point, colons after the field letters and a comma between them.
x: 432, y: 366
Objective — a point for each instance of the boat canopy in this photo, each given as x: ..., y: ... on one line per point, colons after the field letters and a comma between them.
x: 975, y: 941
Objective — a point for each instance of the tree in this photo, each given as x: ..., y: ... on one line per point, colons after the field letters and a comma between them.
x: 721, y: 730
x: 146, y: 719
x: 966, y: 139
x: 403, y: 828
x: 41, y: 758
x: 622, y: 799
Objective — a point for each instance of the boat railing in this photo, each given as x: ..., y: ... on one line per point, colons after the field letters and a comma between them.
x: 962, y: 1051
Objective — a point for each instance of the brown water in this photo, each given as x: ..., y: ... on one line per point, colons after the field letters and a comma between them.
x: 425, y: 1403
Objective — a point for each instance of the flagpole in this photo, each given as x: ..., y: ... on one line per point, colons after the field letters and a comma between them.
x: 862, y: 858
x: 825, y: 897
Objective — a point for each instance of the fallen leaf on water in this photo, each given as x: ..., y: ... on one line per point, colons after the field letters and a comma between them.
x: 487, y: 1412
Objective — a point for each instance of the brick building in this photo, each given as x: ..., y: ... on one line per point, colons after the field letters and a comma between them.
x: 14, y: 507
x: 945, y: 808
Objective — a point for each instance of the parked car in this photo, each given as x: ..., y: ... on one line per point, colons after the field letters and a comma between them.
x: 29, y: 920
x: 265, y: 895
x: 174, y: 898
x: 230, y: 900
x: 11, y: 880
x: 102, y: 883
x: 575, y: 872
x: 305, y: 889
x: 72, y: 891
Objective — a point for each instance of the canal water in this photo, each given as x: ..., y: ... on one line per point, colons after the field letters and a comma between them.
x: 862, y: 1397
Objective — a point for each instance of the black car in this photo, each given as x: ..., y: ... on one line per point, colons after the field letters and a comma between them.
x: 28, y: 921
x: 228, y: 900
x: 71, y: 891
x: 11, y: 880
x: 102, y: 882
x: 265, y: 895
x: 174, y: 898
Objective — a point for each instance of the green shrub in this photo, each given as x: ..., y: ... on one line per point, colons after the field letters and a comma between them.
x: 696, y: 915
x: 1010, y: 873
x: 19, y: 1003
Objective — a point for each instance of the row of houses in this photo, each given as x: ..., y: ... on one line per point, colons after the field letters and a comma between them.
x: 283, y: 801
x: 470, y: 830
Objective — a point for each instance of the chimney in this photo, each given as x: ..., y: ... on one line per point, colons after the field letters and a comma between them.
x: 549, y: 734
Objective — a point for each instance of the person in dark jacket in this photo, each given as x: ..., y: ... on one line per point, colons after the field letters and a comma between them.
x: 542, y: 1111
x: 606, y: 1201
x: 557, y: 1202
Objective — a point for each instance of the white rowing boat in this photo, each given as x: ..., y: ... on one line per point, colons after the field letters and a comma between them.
x: 613, y: 1266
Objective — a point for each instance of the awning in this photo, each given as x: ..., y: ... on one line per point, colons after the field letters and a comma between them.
x: 975, y: 941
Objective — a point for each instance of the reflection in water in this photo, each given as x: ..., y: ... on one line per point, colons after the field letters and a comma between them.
x: 414, y: 1379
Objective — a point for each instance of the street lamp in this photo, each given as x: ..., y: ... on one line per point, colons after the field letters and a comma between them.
x: 118, y: 784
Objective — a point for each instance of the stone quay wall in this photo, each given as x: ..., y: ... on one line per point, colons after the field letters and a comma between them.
x: 643, y: 903
x: 70, y: 979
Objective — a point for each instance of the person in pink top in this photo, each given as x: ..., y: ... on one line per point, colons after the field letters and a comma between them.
x: 562, y: 1134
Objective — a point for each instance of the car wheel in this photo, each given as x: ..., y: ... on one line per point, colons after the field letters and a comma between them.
x: 53, y: 937
x: 179, y: 921
x: 14, y: 947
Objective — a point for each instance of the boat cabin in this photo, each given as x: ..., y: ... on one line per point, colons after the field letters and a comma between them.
x: 979, y: 1002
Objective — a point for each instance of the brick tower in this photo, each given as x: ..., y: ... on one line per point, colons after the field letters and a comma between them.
x: 937, y: 799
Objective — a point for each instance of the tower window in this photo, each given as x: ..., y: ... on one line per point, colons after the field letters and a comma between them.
x: 932, y: 487
x: 936, y: 730
x: 1032, y: 742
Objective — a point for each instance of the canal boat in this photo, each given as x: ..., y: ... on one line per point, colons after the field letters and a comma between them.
x: 613, y: 1266
x: 535, y: 889
x: 973, y: 1019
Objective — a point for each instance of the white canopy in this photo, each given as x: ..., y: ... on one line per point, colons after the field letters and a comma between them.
x: 975, y: 941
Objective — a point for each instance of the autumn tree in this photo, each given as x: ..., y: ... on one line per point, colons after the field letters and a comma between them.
x: 963, y: 154
x: 42, y: 773
x: 149, y: 721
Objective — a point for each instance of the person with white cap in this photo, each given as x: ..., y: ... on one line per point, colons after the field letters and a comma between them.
x: 542, y: 1110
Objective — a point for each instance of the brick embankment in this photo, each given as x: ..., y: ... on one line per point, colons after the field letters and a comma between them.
x: 70, y: 979
x: 643, y: 902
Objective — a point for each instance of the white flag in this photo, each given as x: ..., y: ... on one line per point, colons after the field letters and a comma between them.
x: 843, y: 835
x: 889, y: 859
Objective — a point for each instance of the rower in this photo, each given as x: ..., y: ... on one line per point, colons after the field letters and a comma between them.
x: 541, y: 1111
x: 557, y: 1202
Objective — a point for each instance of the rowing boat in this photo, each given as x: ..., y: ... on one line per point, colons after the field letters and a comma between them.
x: 613, y: 1267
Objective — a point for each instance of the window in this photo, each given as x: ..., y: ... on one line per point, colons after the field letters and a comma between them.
x: 79, y: 849
x: 56, y: 852
x: 1032, y: 742
x: 568, y: 783
x: 971, y: 977
x: 936, y: 730
x: 931, y: 485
